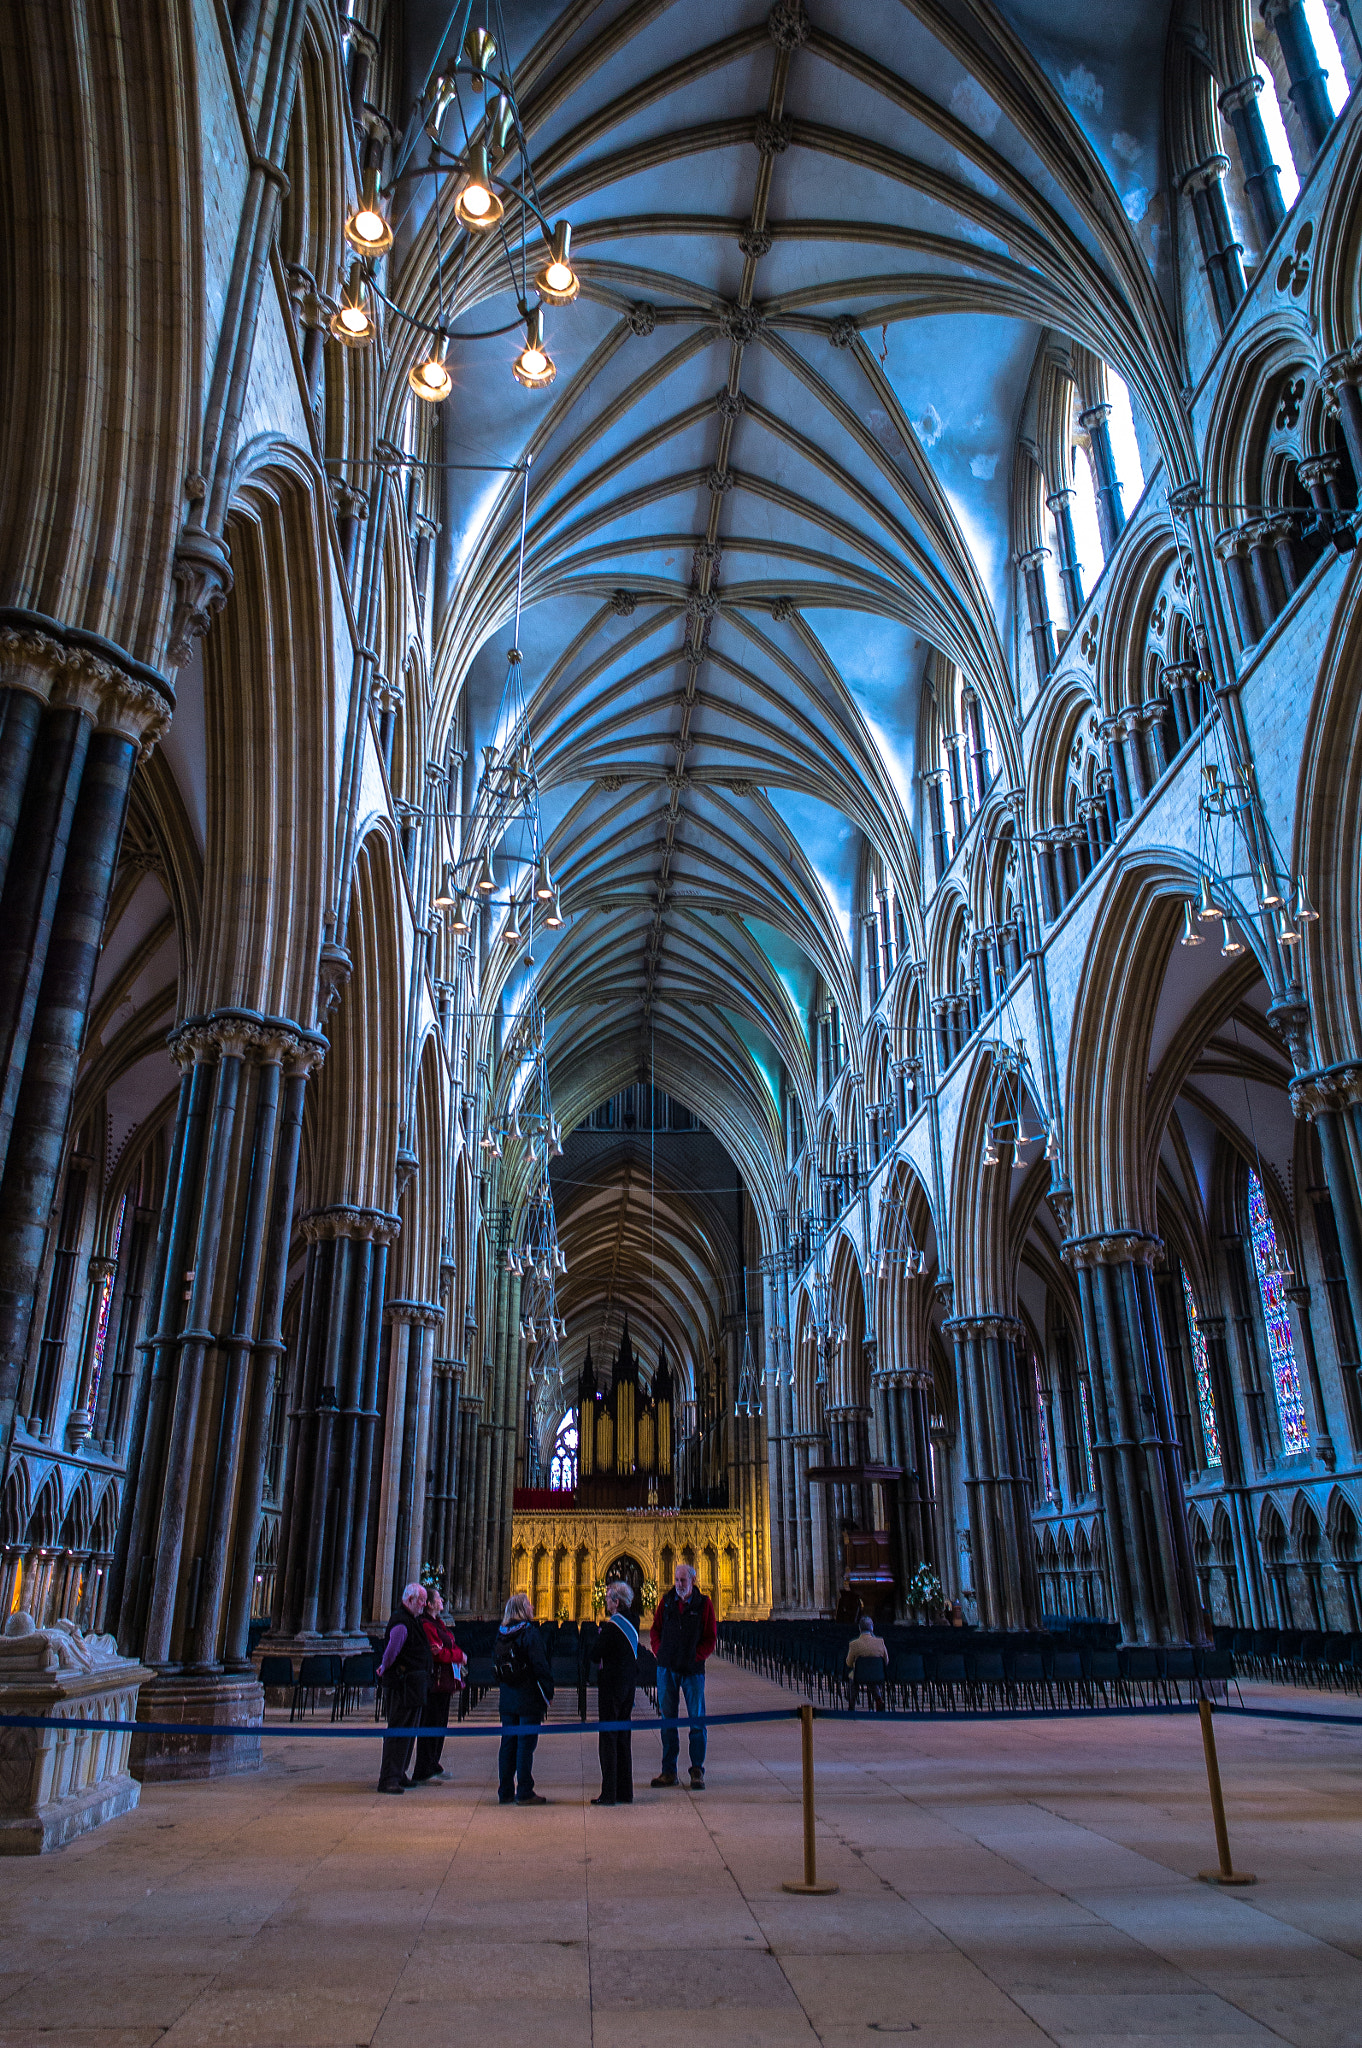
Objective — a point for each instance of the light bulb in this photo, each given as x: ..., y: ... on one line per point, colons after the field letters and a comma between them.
x: 1230, y: 942
x: 534, y: 366
x: 477, y: 206
x: 1208, y: 909
x: 553, y: 917
x: 487, y: 880
x: 447, y: 895
x: 1286, y: 931
x: 558, y: 282
x: 366, y: 229
x: 1306, y: 912
x: 1268, y: 894
x: 1190, y: 935
x: 352, y: 323
x: 510, y: 938
x: 430, y: 379
x: 459, y: 919
x: 543, y: 887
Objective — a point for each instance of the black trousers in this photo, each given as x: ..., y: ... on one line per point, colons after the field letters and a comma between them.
x: 616, y: 1751
x: 405, y: 1700
x: 428, y: 1747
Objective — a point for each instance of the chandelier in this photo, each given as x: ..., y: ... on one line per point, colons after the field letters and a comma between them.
x: 899, y: 1249
x: 469, y: 118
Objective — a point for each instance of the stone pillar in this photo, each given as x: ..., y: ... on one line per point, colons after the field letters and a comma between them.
x: 1070, y: 568
x: 1005, y: 1582
x: 1221, y: 248
x: 1308, y: 92
x: 1135, y: 1445
x: 197, y: 1480
x: 78, y: 716
x: 1111, y: 512
x: 1032, y: 566
x: 1262, y: 180
x: 1340, y: 376
x: 442, y: 1500
x: 1232, y: 548
x: 1321, y: 1443
x: 1331, y: 1098
x: 402, y: 1516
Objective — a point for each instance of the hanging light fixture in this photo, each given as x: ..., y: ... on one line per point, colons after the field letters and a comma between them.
x: 1305, y: 910
x: 510, y: 937
x: 1052, y: 1139
x: 1230, y: 941
x: 500, y: 123
x: 992, y: 1155
x: 553, y: 916
x: 430, y: 379
x: 480, y: 49
x: 1286, y: 931
x: 366, y: 230
x: 477, y: 206
x: 1208, y: 909
x: 352, y: 323
x: 558, y: 282
x: 534, y: 366
x: 1190, y: 935
x: 458, y: 922
x: 543, y: 885
x: 1268, y: 895
x: 447, y: 895
x: 487, y: 880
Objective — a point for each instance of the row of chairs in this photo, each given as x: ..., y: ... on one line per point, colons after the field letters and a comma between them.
x: 989, y: 1672
x: 345, y: 1678
x: 1328, y: 1659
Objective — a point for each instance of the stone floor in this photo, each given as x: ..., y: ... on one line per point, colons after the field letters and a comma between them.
x: 1000, y: 1883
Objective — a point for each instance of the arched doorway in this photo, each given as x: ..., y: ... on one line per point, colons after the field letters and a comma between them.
x: 631, y: 1571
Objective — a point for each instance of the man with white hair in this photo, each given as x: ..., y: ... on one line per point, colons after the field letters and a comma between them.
x: 405, y: 1669
x: 684, y: 1632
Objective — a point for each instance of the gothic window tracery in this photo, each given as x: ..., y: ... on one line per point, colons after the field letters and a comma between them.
x: 1277, y: 1322
x: 563, y: 1461
x: 1201, y: 1373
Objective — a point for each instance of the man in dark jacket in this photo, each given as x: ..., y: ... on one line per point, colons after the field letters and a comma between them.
x: 405, y: 1668
x: 521, y: 1666
x: 616, y: 1652
x: 684, y: 1632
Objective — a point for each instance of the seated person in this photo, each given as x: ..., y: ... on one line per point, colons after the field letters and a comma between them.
x: 871, y: 1650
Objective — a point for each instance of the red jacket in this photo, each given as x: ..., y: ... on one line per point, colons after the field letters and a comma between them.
x: 446, y: 1676
x: 671, y: 1619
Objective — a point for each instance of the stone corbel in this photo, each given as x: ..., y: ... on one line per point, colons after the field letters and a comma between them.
x: 202, y: 572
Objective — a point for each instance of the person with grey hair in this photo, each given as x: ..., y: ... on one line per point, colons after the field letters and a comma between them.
x: 617, y: 1655
x: 684, y: 1632
x: 871, y: 1652
x: 521, y: 1668
x: 404, y: 1669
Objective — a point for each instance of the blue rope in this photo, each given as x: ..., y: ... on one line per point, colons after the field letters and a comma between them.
x: 398, y: 1734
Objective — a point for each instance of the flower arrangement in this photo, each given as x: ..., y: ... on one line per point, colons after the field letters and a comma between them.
x: 597, y: 1594
x: 924, y: 1590
x: 433, y: 1578
x: 647, y: 1597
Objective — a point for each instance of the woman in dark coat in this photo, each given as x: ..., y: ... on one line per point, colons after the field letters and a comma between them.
x: 617, y: 1654
x: 521, y: 1666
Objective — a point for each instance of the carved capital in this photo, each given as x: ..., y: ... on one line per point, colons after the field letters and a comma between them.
x: 348, y: 1220
x: 425, y: 1315
x: 1325, y: 1089
x: 75, y: 677
x: 202, y: 571
x: 1112, y: 1248
x: 964, y: 1328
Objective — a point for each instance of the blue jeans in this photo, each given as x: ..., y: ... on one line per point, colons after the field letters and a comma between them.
x: 515, y: 1760
x: 669, y: 1689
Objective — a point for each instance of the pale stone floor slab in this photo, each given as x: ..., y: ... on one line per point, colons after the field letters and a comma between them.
x: 1001, y: 1883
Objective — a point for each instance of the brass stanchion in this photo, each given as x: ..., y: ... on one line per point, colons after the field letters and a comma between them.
x: 1227, y: 1874
x: 810, y: 1883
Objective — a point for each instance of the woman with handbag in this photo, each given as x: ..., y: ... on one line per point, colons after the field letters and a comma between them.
x: 445, y: 1680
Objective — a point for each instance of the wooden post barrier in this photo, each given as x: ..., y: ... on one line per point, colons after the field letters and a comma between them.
x: 1227, y: 1874
x: 810, y: 1883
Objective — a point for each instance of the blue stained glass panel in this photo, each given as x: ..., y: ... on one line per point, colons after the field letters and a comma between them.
x: 1086, y: 1421
x: 1047, y: 1471
x: 563, y: 1467
x: 1281, y: 1349
x: 1201, y: 1368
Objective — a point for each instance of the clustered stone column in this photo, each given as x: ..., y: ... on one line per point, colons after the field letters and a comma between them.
x: 332, y: 1390
x: 1005, y: 1582
x: 76, y: 714
x: 181, y: 1576
x: 442, y: 1499
x: 902, y: 1402
x: 1140, y: 1474
x: 402, y: 1510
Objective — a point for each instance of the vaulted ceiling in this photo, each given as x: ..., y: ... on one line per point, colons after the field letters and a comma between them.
x: 818, y: 252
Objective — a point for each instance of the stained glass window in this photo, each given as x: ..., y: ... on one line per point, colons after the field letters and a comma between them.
x: 1201, y: 1369
x: 106, y: 1296
x: 1086, y: 1421
x: 1047, y: 1470
x: 563, y: 1466
x: 1281, y: 1350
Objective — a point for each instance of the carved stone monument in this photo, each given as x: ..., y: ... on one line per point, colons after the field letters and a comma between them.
x: 57, y: 1783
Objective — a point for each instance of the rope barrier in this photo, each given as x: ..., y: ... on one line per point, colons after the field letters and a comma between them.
x: 374, y: 1728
